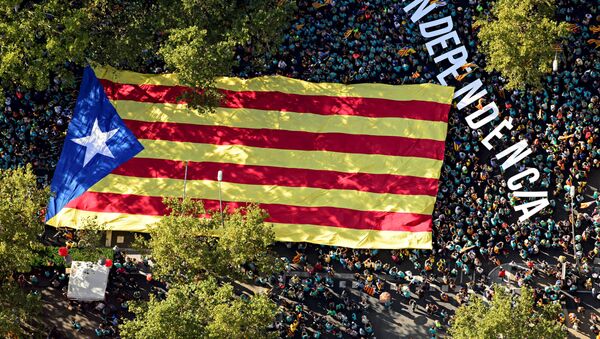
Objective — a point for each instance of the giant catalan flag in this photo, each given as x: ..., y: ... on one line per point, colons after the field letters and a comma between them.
x: 346, y: 165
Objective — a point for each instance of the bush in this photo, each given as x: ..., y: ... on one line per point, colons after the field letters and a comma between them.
x: 85, y: 254
x: 50, y: 254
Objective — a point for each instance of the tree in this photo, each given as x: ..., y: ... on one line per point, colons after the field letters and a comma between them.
x: 507, y: 317
x: 90, y: 234
x: 201, y: 310
x: 519, y: 40
x: 186, y: 246
x: 195, y: 39
x: 193, y: 249
x: 20, y: 219
x: 16, y: 307
x: 20, y: 225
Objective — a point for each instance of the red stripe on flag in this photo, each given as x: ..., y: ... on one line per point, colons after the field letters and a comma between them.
x: 286, y: 102
x: 292, y: 140
x: 325, y: 216
x: 279, y: 176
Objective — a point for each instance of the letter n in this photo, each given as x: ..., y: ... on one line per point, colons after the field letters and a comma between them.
x: 421, y: 11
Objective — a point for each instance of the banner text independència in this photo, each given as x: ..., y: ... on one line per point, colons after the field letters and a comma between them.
x: 440, y: 33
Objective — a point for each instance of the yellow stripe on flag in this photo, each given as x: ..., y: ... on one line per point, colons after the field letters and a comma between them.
x: 295, y: 196
x: 71, y: 217
x: 335, y: 236
x: 317, y: 160
x: 347, y: 237
x: 422, y: 92
x: 290, y: 121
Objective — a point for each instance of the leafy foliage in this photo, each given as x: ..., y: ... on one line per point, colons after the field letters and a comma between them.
x: 198, y: 52
x: 140, y: 243
x: 511, y: 318
x: 519, y: 40
x: 201, y: 310
x: 20, y: 224
x: 196, y: 39
x: 89, y: 235
x: 48, y: 255
x: 20, y: 219
x: 16, y: 307
x: 39, y: 38
x: 192, y: 248
x: 187, y: 246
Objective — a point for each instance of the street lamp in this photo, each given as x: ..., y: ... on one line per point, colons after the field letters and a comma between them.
x: 572, y: 194
x: 219, y: 179
x: 185, y: 178
x: 555, y: 63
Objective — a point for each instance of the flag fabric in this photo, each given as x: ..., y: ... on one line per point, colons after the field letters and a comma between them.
x: 345, y: 165
x: 469, y: 65
x: 318, y: 5
x: 594, y: 41
x: 587, y: 204
x: 406, y: 51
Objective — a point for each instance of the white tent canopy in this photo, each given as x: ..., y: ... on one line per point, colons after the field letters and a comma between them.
x: 88, y: 281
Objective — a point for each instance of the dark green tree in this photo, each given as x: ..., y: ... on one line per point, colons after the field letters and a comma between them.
x: 21, y: 213
x: 20, y: 219
x: 195, y: 251
x: 519, y: 39
x: 187, y: 247
x: 17, y: 307
x: 195, y: 39
x: 507, y: 317
x: 90, y: 234
x: 201, y: 310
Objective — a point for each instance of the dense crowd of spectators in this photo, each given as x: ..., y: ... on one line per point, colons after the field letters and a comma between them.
x: 475, y: 229
x: 128, y: 281
x: 474, y: 221
x: 33, y: 126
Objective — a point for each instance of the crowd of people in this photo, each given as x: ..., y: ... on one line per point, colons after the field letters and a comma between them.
x: 33, y: 126
x: 125, y: 284
x: 311, y: 308
x: 475, y: 229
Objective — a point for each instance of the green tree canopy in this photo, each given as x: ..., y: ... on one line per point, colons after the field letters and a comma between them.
x: 507, y: 317
x: 20, y: 219
x: 186, y: 246
x: 16, y: 308
x: 20, y: 225
x: 201, y: 310
x: 90, y: 234
x: 196, y: 39
x: 519, y: 40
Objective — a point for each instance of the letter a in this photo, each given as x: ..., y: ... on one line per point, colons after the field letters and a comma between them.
x: 537, y: 206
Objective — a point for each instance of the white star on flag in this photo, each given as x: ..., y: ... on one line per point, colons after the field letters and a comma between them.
x: 95, y: 143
